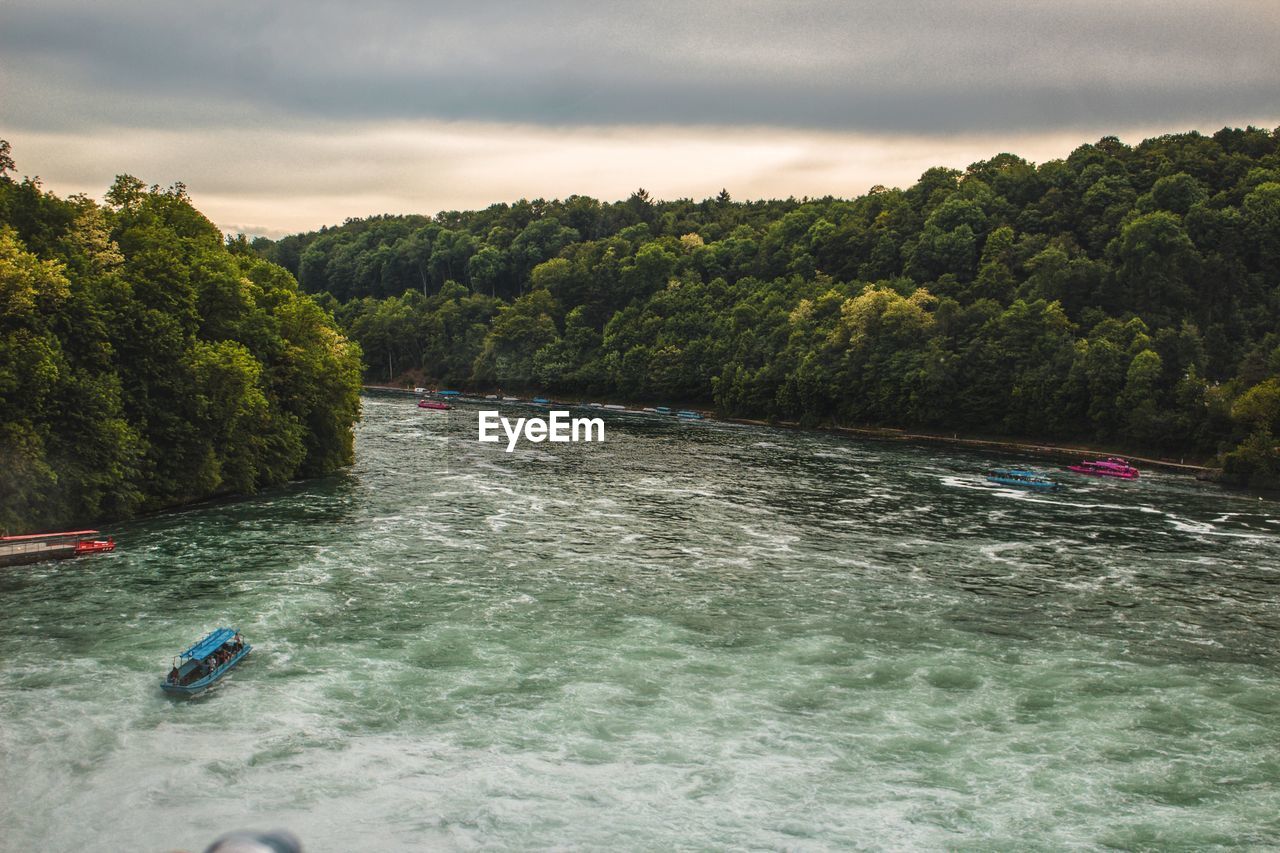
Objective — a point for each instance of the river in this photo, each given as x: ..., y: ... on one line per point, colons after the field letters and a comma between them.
x: 690, y: 636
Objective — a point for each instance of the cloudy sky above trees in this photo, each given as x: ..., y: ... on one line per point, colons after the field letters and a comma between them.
x: 288, y: 115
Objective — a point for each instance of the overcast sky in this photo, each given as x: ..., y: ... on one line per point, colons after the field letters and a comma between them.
x: 284, y: 116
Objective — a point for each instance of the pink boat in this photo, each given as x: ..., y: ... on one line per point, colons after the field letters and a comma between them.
x: 1110, y: 467
x: 433, y: 404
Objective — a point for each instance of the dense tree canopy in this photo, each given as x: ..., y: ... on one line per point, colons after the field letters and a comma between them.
x: 1129, y: 295
x: 146, y: 363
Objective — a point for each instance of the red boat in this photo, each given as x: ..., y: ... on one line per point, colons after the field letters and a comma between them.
x: 433, y: 404
x: 16, y: 550
x: 1110, y: 467
x: 95, y: 546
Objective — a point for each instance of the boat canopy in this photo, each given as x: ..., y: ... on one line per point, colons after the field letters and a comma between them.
x: 30, y: 536
x: 210, y: 644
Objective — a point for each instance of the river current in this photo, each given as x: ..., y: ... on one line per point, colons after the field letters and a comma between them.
x: 691, y: 636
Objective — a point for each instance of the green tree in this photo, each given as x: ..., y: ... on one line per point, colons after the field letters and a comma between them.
x: 146, y: 362
x: 518, y: 333
x: 1156, y: 262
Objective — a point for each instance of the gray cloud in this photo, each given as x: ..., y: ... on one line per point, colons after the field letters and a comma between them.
x: 273, y: 182
x: 874, y: 67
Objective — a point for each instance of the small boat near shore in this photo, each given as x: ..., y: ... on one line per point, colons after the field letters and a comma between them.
x: 1021, y: 477
x: 689, y: 415
x: 433, y: 404
x: 200, y: 666
x: 448, y: 393
x: 1112, y: 466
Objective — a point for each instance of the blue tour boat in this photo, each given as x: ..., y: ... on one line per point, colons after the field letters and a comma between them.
x: 688, y: 415
x: 662, y: 410
x: 448, y: 393
x: 1020, y: 477
x: 204, y: 663
x: 541, y: 401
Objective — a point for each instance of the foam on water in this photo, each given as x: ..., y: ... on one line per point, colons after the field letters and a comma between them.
x: 690, y: 636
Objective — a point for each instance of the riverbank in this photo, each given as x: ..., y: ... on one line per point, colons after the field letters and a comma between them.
x: 1069, y: 452
x: 1058, y: 451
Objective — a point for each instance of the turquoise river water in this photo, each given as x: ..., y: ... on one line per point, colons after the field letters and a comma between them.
x: 691, y: 636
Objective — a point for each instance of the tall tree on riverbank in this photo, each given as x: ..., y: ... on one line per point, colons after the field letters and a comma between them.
x: 144, y: 363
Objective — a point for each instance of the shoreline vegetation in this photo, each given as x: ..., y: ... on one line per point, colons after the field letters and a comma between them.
x: 1124, y: 296
x: 146, y: 363
x: 1022, y: 446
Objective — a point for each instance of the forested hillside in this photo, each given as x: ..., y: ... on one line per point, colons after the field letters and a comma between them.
x: 1127, y: 295
x: 145, y: 363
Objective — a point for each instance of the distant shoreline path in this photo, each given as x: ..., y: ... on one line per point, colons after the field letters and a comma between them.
x: 990, y: 444
x: 889, y: 433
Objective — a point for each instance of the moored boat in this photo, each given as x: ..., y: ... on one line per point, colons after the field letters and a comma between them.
x: 1020, y: 477
x: 541, y: 401
x: 1112, y: 466
x: 433, y: 404
x: 198, y: 667
x: 662, y: 410
x: 34, y: 547
x: 615, y: 407
x: 95, y: 546
x: 448, y: 393
x: 689, y: 415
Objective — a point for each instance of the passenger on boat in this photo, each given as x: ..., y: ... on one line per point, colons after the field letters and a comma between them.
x: 173, y: 675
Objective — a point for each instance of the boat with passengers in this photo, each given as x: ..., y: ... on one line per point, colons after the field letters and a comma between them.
x: 198, y: 667
x: 434, y: 404
x: 1023, y: 477
x: 1112, y: 466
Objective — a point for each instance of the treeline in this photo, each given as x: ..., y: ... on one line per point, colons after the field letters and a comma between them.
x: 1124, y: 295
x: 145, y: 363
